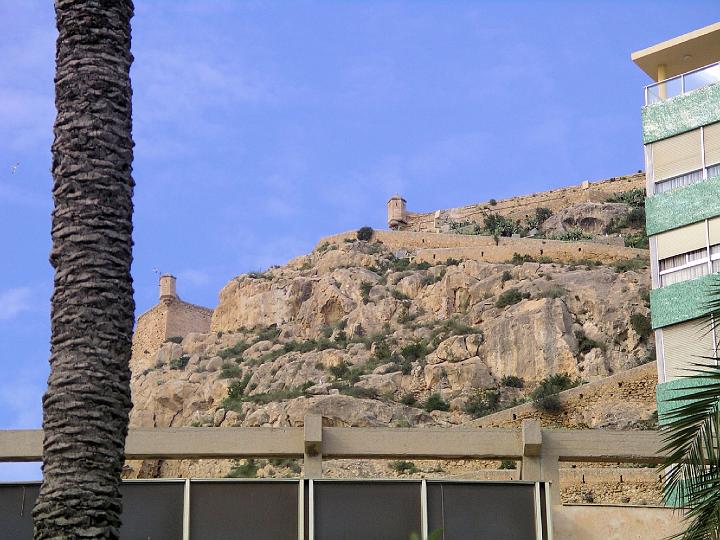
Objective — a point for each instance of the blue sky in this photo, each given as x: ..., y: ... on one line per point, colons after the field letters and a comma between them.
x: 261, y: 126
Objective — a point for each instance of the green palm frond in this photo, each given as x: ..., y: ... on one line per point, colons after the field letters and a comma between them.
x: 691, y: 433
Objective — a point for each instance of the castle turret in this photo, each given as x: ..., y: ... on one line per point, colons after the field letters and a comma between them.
x: 397, y: 215
x: 167, y: 288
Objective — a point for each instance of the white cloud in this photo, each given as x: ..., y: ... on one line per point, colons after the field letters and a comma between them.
x: 15, y: 301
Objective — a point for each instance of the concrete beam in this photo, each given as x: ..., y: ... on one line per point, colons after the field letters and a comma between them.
x: 604, y: 445
x: 420, y: 443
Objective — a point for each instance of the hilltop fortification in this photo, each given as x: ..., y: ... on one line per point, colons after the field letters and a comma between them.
x: 169, y: 318
x: 515, y: 208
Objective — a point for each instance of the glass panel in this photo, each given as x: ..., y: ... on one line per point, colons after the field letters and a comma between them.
x: 672, y: 262
x: 703, y: 77
x: 678, y: 181
x: 492, y: 511
x: 152, y: 510
x: 16, y: 504
x: 697, y: 254
x: 716, y: 266
x: 713, y: 170
x: 685, y: 274
x: 715, y: 250
x: 365, y: 510
x: 231, y: 510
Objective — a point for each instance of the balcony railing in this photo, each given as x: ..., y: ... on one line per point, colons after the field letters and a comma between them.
x: 682, y: 84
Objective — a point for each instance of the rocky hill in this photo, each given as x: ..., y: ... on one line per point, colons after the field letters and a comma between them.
x: 366, y: 338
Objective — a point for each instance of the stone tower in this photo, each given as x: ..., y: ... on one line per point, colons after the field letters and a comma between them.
x: 168, y: 292
x: 397, y: 215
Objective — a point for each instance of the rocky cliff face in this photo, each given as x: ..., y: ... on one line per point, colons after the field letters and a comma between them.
x: 366, y: 339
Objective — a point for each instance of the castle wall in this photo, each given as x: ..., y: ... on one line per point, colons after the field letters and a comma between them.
x: 435, y: 247
x: 631, y: 388
x: 183, y: 318
x: 173, y: 318
x: 523, y: 206
x: 149, y: 334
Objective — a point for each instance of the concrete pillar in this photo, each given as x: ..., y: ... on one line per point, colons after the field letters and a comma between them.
x: 532, y: 447
x: 661, y: 76
x: 167, y: 287
x: 312, y: 460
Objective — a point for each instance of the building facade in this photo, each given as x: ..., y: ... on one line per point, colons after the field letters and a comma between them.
x: 681, y: 134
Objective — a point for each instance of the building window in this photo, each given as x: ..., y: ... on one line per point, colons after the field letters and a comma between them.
x: 678, y: 181
x: 713, y: 170
x: 685, y: 267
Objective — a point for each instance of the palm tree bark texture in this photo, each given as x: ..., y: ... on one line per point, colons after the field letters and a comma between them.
x: 86, y: 407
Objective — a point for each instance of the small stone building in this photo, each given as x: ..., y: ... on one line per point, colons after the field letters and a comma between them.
x: 170, y: 317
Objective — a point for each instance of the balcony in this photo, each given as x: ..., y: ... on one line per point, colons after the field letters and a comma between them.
x: 682, y: 84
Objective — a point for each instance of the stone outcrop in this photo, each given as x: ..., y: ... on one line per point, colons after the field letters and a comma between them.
x: 364, y: 338
x: 589, y: 217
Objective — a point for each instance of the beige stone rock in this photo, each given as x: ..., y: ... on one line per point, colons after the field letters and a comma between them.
x: 214, y: 364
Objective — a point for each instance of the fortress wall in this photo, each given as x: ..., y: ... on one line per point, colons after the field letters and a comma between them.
x: 524, y: 205
x: 183, y: 318
x: 167, y: 319
x: 631, y: 388
x: 149, y: 334
x: 565, y: 252
x: 435, y: 247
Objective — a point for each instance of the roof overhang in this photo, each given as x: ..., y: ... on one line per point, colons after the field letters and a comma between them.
x: 681, y: 54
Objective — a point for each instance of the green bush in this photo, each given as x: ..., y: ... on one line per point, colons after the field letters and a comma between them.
x: 230, y: 371
x: 556, y: 291
x: 399, y: 295
x: 510, y: 297
x: 403, y: 467
x: 179, y: 363
x: 269, y: 333
x: 508, y: 464
x: 545, y: 397
x: 506, y: 276
x: 408, y: 399
x: 628, y: 265
x: 248, y: 469
x: 289, y: 463
x: 365, y: 288
x: 512, y: 381
x: 585, y: 344
x: 237, y: 389
x: 492, y: 202
x: 497, y: 225
x: 365, y: 233
x: 482, y: 404
x: 633, y: 197
x: 414, y: 351
x: 452, y: 262
x: 639, y: 241
x: 518, y: 259
x: 359, y: 392
x: 339, y: 371
x: 573, y: 235
x: 641, y: 324
x: 435, y: 403
x: 236, y: 351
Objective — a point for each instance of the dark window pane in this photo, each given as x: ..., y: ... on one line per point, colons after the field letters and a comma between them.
x: 359, y: 511
x: 16, y: 504
x: 245, y: 510
x: 152, y: 511
x: 478, y: 510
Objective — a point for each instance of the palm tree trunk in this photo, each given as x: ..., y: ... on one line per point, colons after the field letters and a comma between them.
x: 88, y: 397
